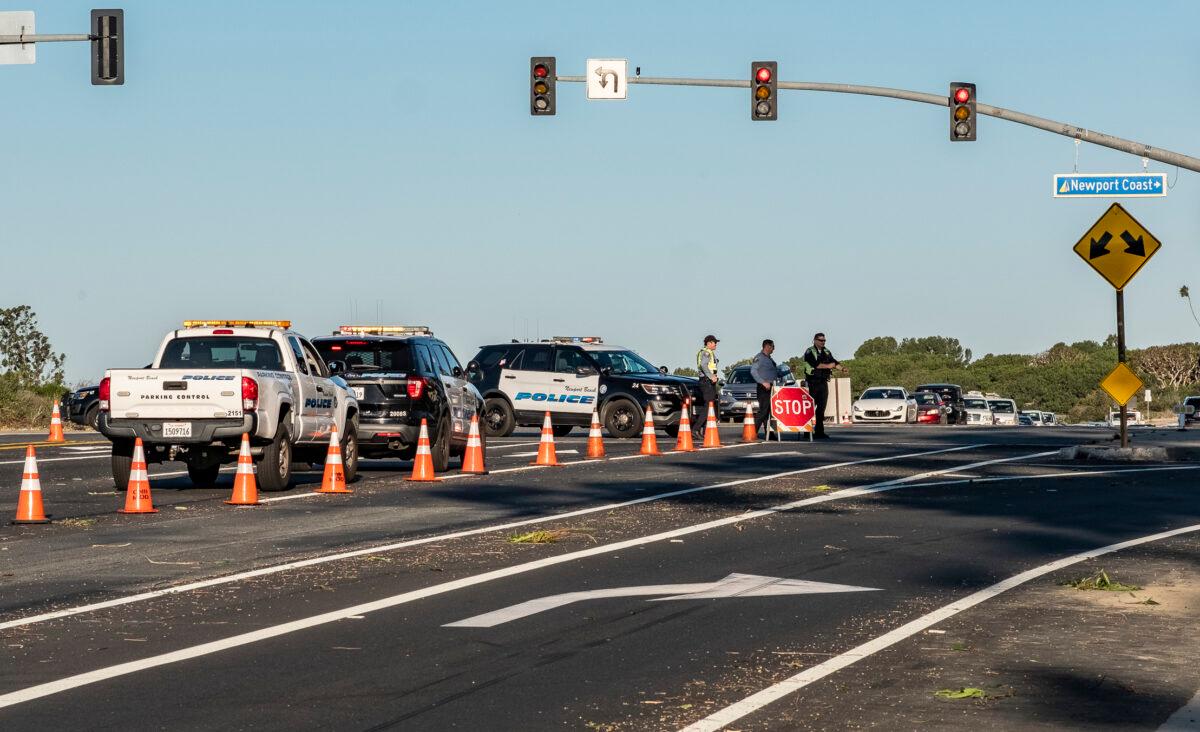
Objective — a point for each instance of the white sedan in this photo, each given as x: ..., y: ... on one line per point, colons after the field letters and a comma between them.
x: 885, y: 404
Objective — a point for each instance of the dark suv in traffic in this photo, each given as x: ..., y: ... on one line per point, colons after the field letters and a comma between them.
x: 952, y: 398
x: 401, y: 375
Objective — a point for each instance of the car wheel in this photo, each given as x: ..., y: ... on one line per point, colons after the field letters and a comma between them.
x: 204, y: 476
x: 562, y: 430
x: 122, y: 464
x: 441, y: 447
x: 498, y: 419
x: 350, y: 452
x: 93, y: 417
x: 623, y: 419
x: 274, y: 466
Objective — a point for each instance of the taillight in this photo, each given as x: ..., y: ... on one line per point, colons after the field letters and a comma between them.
x: 104, y: 392
x: 249, y: 394
x: 416, y: 387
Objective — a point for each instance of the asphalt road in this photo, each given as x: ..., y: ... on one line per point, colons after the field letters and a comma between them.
x: 408, y: 606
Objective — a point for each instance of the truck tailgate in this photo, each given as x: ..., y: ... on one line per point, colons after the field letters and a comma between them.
x: 175, y: 393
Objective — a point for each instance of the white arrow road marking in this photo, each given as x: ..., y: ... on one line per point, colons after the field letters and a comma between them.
x: 734, y: 585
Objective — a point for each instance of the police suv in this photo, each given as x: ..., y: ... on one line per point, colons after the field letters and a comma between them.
x: 400, y: 375
x: 571, y: 376
x: 214, y: 380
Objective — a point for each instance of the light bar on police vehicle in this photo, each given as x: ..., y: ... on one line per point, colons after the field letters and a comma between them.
x: 384, y: 330
x: 285, y: 324
x: 575, y: 339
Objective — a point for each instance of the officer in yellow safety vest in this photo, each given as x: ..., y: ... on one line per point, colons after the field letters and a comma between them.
x: 710, y: 377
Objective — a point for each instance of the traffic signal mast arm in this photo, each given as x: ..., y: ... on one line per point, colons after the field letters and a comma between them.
x: 45, y: 38
x: 941, y: 100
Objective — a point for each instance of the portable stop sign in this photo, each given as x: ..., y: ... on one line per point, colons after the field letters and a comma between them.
x: 792, y: 410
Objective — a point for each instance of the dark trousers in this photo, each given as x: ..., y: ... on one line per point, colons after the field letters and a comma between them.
x: 709, y: 394
x: 820, y: 395
x: 764, y: 408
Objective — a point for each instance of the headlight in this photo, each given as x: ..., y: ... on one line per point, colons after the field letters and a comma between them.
x: 656, y: 389
x: 857, y: 408
x: 726, y: 393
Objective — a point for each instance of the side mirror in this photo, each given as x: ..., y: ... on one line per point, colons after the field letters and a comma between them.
x: 663, y: 369
x: 336, y: 367
x: 456, y: 372
x: 472, y: 367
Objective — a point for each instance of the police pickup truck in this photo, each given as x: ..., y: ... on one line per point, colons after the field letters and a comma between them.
x: 571, y: 376
x: 214, y: 380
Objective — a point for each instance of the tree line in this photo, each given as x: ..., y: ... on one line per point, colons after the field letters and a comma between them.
x: 1063, y: 379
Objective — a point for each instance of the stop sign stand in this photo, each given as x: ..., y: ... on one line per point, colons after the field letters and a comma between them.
x: 792, y: 410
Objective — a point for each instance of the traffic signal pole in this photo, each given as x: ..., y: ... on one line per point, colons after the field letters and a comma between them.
x: 1059, y: 128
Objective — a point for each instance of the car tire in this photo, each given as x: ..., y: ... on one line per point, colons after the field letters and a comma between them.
x: 350, y: 452
x: 623, y: 419
x: 498, y: 418
x: 122, y: 464
x: 274, y: 466
x: 562, y: 430
x: 203, y: 476
x: 92, y: 418
x: 441, y: 446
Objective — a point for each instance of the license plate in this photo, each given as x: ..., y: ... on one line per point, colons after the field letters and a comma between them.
x: 177, y: 429
x: 359, y: 392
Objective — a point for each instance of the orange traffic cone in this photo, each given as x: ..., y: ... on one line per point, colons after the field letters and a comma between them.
x: 334, y: 478
x: 749, y: 430
x: 137, y: 494
x: 546, y: 454
x: 245, y: 487
x: 712, y: 438
x: 649, y: 437
x: 683, y: 443
x: 56, y: 430
x: 472, y: 461
x: 422, y: 471
x: 595, y: 446
x: 29, y: 505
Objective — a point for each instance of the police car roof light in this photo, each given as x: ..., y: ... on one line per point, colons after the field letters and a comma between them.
x: 384, y: 330
x: 237, y: 324
x: 575, y: 339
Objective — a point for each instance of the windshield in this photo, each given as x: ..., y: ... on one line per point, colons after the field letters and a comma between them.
x: 369, y: 355
x: 925, y: 397
x: 623, y: 362
x: 976, y: 403
x: 883, y: 394
x: 741, y: 376
x: 1002, y: 406
x: 222, y: 352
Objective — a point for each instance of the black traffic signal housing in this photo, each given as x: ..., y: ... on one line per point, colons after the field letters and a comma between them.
x: 541, y: 86
x: 108, y: 47
x: 764, y: 91
x: 962, y: 112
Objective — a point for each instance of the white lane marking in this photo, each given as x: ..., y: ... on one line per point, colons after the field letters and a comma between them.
x: 88, y: 448
x: 204, y: 649
x: 1063, y: 474
x: 512, y: 444
x: 534, y: 454
x: 263, y: 571
x: 53, y: 460
x: 1185, y: 719
x: 732, y: 585
x: 772, y: 693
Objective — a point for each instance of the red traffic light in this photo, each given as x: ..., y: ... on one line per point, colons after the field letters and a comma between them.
x: 763, y: 75
x: 962, y: 95
x: 540, y: 71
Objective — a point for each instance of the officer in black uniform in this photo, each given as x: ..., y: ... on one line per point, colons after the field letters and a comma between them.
x: 819, y: 364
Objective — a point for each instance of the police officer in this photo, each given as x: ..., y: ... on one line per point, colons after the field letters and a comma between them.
x: 764, y: 371
x: 710, y: 377
x: 819, y: 364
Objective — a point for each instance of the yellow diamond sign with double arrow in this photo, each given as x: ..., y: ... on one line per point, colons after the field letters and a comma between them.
x: 1121, y: 384
x: 1117, y: 246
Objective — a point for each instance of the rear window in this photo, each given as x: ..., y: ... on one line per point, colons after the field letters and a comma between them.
x: 222, y: 352
x: 948, y: 393
x: 361, y: 355
x: 926, y: 397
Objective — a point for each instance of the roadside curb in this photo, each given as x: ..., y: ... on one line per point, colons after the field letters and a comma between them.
x: 1112, y: 454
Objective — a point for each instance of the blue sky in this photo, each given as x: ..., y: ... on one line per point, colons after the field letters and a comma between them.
x: 330, y: 162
